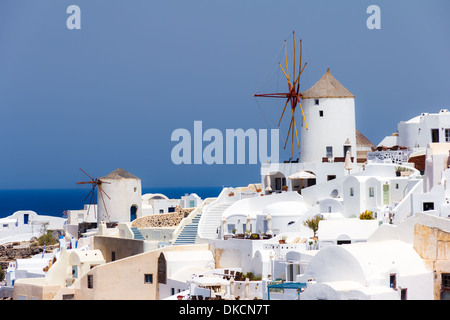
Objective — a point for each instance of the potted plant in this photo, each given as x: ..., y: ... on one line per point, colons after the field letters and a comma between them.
x: 285, y: 188
x: 282, y: 240
x: 254, y: 236
x: 366, y: 215
x: 313, y: 223
x: 180, y: 297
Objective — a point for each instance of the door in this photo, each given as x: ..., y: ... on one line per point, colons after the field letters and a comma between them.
x: 277, y: 184
x: 133, y: 210
x: 386, y: 194
x: 25, y: 218
x: 434, y: 135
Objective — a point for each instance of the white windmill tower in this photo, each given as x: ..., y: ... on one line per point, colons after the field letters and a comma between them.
x: 119, y: 196
x: 330, y: 110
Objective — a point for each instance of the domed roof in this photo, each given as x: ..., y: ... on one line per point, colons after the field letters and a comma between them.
x: 285, y: 208
x: 327, y: 87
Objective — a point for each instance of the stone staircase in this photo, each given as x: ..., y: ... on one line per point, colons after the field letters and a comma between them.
x: 137, y: 234
x: 211, y: 220
x: 189, y: 232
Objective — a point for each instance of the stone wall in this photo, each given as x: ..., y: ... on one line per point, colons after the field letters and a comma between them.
x: 162, y: 220
x: 13, y: 251
x: 432, y: 243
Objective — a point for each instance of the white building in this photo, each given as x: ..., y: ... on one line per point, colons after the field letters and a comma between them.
x: 423, y: 129
x: 345, y: 231
x: 329, y: 110
x: 378, y: 270
x: 121, y: 197
x: 434, y: 199
x: 284, y: 209
x: 75, y: 217
x: 330, y: 114
x: 377, y: 189
x: 153, y: 203
x: 24, y: 225
x: 27, y: 268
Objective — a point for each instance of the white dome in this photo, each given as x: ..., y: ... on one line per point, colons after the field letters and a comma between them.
x: 285, y: 208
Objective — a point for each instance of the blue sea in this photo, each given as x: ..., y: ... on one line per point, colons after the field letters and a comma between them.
x: 53, y: 202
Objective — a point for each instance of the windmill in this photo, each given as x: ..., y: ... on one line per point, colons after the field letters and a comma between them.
x: 292, y: 96
x: 95, y: 183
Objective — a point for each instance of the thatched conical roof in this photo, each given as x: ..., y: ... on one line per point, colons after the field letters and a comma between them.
x: 362, y: 141
x: 327, y: 87
x: 119, y: 174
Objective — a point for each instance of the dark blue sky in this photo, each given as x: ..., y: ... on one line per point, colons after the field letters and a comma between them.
x: 110, y: 95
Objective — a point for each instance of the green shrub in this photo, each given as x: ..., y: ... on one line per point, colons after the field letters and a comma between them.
x: 46, y: 239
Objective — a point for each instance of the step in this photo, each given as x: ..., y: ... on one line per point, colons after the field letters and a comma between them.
x: 137, y: 234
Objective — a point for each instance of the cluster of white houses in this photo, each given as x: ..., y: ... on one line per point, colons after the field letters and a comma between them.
x: 254, y: 242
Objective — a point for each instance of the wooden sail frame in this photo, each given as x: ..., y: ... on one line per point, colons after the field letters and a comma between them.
x: 292, y: 96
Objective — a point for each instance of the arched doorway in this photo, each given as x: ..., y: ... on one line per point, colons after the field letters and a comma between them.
x: 133, y: 211
x: 275, y: 181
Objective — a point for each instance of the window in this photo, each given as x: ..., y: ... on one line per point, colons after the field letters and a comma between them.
x: 352, y: 192
x: 148, y: 278
x: 161, y: 210
x: 331, y: 177
x: 113, y: 256
x: 445, y: 280
x: 434, y: 135
x: 231, y: 227
x: 90, y: 281
x: 316, y: 102
x: 371, y: 192
x: 428, y: 206
x: 74, y: 272
x: 393, y: 281
x: 321, y: 113
x: 266, y: 225
x: 396, y: 186
x: 329, y: 152
x: 171, y: 209
x: 447, y: 135
x: 339, y: 242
